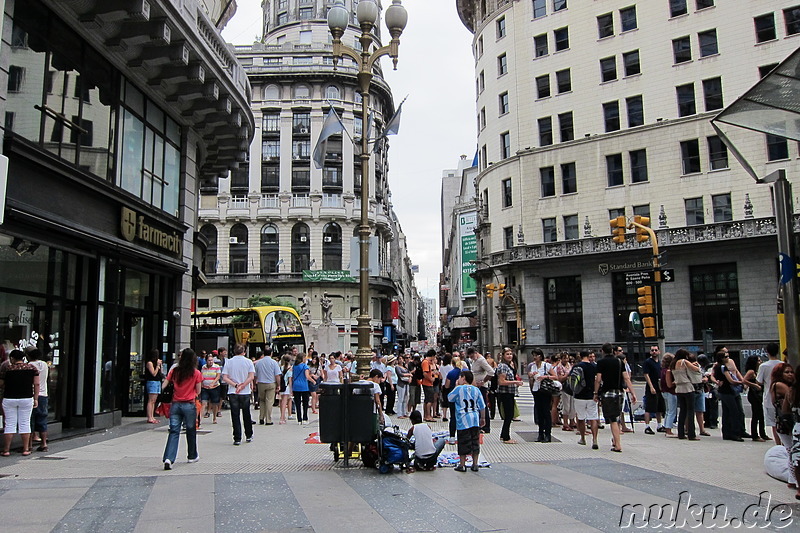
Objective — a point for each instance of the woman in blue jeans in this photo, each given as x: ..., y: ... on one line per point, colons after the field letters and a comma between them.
x: 186, y: 380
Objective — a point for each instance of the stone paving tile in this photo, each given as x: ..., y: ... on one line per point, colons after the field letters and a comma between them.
x: 256, y: 502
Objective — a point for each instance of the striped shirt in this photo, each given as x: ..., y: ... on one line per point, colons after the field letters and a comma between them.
x: 469, y: 404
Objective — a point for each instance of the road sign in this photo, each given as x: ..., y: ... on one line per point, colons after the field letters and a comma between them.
x: 668, y: 275
x: 634, y: 321
x: 638, y: 277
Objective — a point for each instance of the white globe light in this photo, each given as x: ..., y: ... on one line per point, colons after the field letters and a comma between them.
x: 396, y: 16
x: 338, y: 16
x: 367, y: 12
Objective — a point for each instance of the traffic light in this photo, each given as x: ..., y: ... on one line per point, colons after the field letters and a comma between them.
x: 523, y: 333
x: 645, y: 300
x: 641, y: 233
x: 490, y: 290
x: 649, y: 327
x: 618, y: 229
x: 501, y: 289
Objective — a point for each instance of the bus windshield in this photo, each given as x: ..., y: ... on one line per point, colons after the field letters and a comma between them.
x: 257, y: 328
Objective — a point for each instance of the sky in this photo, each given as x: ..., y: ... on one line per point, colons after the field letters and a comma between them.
x: 436, y: 71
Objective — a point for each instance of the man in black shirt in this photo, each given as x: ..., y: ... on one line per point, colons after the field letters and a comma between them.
x: 585, y: 406
x: 653, y: 401
x: 611, y: 376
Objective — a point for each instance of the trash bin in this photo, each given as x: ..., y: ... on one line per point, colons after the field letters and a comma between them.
x: 358, y: 410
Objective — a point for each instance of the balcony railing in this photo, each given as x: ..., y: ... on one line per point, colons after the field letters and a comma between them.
x: 239, y: 202
x: 332, y: 200
x: 269, y: 201
x: 301, y: 200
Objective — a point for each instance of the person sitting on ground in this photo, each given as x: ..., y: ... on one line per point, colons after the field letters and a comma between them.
x: 426, y: 448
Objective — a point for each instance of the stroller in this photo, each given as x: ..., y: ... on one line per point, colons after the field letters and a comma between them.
x: 392, y: 449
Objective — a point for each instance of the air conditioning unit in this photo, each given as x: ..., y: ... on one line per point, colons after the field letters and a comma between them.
x: 327, y: 239
x: 296, y: 157
x: 303, y: 238
x: 303, y: 130
x: 233, y: 240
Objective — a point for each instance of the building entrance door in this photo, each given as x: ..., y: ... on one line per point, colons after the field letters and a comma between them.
x: 131, y: 364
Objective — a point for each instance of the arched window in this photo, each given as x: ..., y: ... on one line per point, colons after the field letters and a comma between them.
x: 301, y: 247
x: 302, y: 92
x: 332, y: 92
x: 210, y: 263
x: 332, y: 247
x: 270, y: 249
x: 272, y: 92
x: 238, y: 249
x: 358, y: 98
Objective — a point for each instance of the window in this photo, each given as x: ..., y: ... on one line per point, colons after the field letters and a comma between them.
x: 306, y: 13
x: 332, y: 246
x: 501, y: 27
x: 271, y: 149
x: 702, y: 4
x: 507, y: 197
x: 562, y: 38
x: 627, y: 17
x: 540, y: 45
x: 677, y: 8
x: 569, y: 181
x: 638, y: 165
x: 694, y: 211
x: 715, y: 300
x: 479, y: 51
x: 614, y: 169
x: 503, y: 103
x: 635, y: 108
x: 484, y: 157
x: 301, y: 247
x: 558, y: 5
x: 608, y: 68
x: 616, y: 213
x: 85, y: 137
x: 549, y: 230
x: 237, y: 253
x: 563, y: 309
x: 545, y: 131
x: 270, y: 249
x: 766, y: 69
x: 611, y: 115
x: 502, y: 65
x: 642, y: 210
x: 682, y: 49
x: 631, y: 62
x: 539, y: 8
x: 8, y: 124
x: 15, y: 75
x: 565, y: 126
x: 481, y: 83
x: 563, y: 81
x: 791, y: 18
x: 765, y: 28
x: 543, y: 86
x: 708, y: 43
x: 571, y: 227
x: 482, y: 119
x: 712, y: 93
x: 777, y: 148
x: 690, y: 156
x: 508, y: 237
x: 605, y: 25
x: 717, y: 153
x: 547, y: 175
x: 271, y: 122
x: 332, y: 92
x: 723, y: 212
x: 505, y: 145
x: 686, y: 105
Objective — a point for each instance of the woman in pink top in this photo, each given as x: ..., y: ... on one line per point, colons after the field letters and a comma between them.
x: 186, y: 379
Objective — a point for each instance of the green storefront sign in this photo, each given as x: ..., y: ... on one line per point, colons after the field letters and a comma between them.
x: 328, y: 275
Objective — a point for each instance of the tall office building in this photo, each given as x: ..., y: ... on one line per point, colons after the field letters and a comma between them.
x: 587, y: 111
x: 280, y: 226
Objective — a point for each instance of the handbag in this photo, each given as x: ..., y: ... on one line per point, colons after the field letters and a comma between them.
x: 165, y: 396
x: 737, y: 387
x: 548, y: 385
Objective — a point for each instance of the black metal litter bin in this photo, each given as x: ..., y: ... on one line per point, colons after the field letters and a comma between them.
x: 350, y: 405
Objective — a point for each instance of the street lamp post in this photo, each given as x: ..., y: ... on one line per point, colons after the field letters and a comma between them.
x: 338, y: 20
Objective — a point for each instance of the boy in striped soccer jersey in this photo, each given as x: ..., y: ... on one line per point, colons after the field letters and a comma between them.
x: 470, y: 418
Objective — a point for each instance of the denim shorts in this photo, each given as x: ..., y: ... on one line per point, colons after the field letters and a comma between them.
x: 699, y: 401
x: 211, y: 395
x: 153, y: 387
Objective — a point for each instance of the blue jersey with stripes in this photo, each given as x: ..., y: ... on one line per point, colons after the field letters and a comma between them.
x: 469, y: 404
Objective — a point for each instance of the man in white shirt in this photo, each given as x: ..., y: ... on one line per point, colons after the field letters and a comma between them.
x: 267, y: 369
x: 239, y: 373
x: 764, y: 377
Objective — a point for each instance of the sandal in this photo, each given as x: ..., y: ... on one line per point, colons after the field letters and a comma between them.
x: 616, y: 450
x: 41, y: 449
x: 509, y: 441
x: 26, y: 453
x: 5, y: 454
x: 460, y: 468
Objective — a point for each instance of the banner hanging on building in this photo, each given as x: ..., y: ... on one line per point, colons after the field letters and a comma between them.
x: 328, y: 275
x: 469, y: 249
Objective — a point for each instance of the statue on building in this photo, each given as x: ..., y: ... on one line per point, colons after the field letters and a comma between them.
x: 305, y: 309
x: 327, y: 309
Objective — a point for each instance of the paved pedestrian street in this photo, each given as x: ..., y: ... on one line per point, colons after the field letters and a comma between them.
x: 115, y: 482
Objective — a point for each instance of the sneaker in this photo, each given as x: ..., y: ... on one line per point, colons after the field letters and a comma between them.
x: 661, y: 429
x: 237, y: 442
x: 649, y: 431
x: 167, y: 464
x: 249, y: 439
x: 460, y: 468
x: 194, y: 460
x: 474, y: 468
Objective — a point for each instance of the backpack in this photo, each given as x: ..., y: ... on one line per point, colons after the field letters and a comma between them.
x: 575, y: 381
